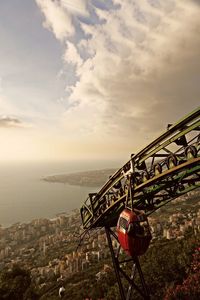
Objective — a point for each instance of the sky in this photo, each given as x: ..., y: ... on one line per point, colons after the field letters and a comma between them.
x: 91, y: 79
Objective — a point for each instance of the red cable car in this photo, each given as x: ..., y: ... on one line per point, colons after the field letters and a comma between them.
x: 133, y: 232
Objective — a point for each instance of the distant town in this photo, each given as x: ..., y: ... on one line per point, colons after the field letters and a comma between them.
x: 95, y: 178
x: 48, y: 247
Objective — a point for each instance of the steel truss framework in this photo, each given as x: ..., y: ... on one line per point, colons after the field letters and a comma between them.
x: 164, y: 170
x: 119, y: 272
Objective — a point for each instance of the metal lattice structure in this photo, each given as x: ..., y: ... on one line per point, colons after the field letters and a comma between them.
x: 164, y: 170
x: 167, y: 168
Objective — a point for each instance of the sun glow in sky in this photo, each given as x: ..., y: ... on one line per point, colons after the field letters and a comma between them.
x: 94, y: 79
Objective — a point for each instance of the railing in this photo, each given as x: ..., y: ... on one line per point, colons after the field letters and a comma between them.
x: 162, y: 171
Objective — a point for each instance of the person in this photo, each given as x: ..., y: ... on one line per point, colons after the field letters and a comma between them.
x: 61, y: 291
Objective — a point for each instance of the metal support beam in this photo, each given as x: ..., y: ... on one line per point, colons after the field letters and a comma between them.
x: 146, y: 291
x: 117, y: 264
x: 130, y: 288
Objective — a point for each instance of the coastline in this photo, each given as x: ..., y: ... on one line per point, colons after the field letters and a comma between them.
x: 94, y: 178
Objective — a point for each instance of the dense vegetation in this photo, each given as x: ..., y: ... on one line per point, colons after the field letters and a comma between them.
x: 16, y: 284
x: 171, y: 269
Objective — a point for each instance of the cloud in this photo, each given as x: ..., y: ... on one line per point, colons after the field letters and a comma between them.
x: 60, y: 15
x: 12, y: 122
x: 57, y: 18
x: 137, y: 67
x: 144, y: 66
x: 78, y: 7
x: 71, y: 55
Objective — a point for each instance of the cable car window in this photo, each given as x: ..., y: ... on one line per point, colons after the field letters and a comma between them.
x: 139, y: 229
x: 123, y: 223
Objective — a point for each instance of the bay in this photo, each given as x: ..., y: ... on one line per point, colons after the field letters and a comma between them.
x: 24, y: 196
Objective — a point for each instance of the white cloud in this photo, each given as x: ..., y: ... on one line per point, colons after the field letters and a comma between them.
x: 57, y: 18
x: 137, y: 59
x: 76, y: 6
x: 139, y: 69
x: 71, y: 55
x: 60, y: 15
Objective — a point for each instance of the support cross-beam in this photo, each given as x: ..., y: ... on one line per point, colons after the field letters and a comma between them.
x: 119, y: 272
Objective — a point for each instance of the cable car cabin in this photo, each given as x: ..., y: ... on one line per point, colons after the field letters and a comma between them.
x: 133, y: 232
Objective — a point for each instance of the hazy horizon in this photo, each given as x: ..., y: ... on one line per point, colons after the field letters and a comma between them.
x: 24, y: 196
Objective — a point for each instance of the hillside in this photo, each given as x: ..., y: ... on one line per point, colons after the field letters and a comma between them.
x: 94, y: 178
x: 173, y: 274
x: 38, y: 257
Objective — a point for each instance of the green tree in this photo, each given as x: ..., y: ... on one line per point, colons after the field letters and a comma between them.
x: 15, y: 284
x: 190, y: 288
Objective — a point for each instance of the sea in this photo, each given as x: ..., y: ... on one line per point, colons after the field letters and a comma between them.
x: 24, y: 196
